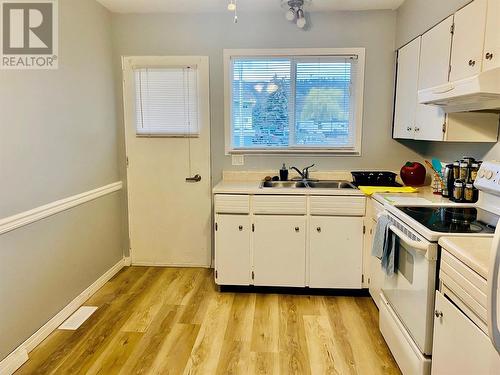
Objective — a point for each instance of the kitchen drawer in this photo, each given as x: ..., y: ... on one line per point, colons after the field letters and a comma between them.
x: 472, y: 281
x: 279, y: 205
x: 337, y: 206
x: 232, y: 204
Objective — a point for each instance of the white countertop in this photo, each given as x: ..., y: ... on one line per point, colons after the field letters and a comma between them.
x: 473, y: 251
x: 424, y: 192
x: 253, y: 188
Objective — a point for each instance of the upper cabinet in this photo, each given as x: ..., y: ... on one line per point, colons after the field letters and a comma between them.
x: 435, y: 55
x: 406, y: 90
x: 459, y: 47
x: 468, y: 40
x: 491, y: 55
x: 434, y: 69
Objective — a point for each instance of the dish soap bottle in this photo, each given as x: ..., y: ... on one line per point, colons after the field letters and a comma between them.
x: 284, y: 173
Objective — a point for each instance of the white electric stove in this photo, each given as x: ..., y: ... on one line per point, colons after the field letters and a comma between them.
x: 406, y: 314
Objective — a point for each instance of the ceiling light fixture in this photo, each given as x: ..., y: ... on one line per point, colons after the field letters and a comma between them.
x: 232, y: 8
x: 295, y: 13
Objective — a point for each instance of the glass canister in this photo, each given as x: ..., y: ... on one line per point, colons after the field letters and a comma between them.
x: 464, y: 170
x: 473, y: 171
x: 456, y: 170
x: 458, y: 190
x: 469, y: 193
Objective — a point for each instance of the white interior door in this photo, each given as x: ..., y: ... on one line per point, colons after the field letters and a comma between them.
x: 169, y: 216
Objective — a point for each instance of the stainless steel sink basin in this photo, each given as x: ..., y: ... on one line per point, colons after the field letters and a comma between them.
x: 312, y: 184
x: 331, y: 185
x: 283, y: 184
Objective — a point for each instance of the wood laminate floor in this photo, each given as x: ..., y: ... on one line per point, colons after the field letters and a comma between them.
x: 173, y: 321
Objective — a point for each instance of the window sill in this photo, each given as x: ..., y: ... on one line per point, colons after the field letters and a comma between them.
x: 326, y: 152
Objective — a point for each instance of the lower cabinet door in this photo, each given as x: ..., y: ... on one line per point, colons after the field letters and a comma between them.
x: 335, y: 252
x: 232, y: 250
x: 459, y: 346
x: 279, y: 250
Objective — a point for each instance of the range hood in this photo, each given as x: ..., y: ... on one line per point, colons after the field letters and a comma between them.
x: 477, y: 93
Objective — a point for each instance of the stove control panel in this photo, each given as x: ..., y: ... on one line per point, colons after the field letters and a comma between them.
x: 488, y: 177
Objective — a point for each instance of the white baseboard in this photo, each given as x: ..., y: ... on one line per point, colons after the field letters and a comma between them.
x: 127, y: 261
x: 13, y: 361
x: 178, y: 265
x: 20, y: 355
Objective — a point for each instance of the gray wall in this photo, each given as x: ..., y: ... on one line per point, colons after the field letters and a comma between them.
x: 181, y: 34
x: 58, y: 138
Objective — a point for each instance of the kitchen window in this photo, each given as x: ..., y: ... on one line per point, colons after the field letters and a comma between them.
x: 294, y: 101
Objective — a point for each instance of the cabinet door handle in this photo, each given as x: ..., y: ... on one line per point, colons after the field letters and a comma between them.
x: 195, y: 178
x: 318, y: 229
x: 408, y: 128
x: 240, y: 228
x: 438, y: 314
x: 472, y: 62
x: 417, y: 129
x: 489, y: 56
x: 297, y: 229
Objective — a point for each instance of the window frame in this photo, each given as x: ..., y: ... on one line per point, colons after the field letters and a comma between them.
x: 298, y: 53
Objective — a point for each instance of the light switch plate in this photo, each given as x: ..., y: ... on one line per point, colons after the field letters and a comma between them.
x: 238, y: 159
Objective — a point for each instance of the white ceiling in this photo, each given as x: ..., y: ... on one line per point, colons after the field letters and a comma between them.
x: 202, y: 6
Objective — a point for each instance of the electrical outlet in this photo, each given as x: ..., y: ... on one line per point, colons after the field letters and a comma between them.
x: 238, y: 159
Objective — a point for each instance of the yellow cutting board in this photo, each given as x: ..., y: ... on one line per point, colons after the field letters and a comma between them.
x: 369, y: 190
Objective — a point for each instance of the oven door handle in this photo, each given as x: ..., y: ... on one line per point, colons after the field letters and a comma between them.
x: 417, y: 245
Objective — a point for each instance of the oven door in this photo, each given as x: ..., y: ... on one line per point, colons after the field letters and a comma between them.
x: 411, y: 290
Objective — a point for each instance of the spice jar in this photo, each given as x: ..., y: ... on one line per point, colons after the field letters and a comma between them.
x: 458, y: 190
x: 469, y: 193
x: 473, y: 171
x: 456, y: 170
x: 464, y: 170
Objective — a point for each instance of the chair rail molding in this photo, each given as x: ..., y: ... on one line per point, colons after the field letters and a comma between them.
x: 13, y: 222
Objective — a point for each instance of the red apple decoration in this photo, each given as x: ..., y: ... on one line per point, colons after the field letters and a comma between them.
x: 413, y: 174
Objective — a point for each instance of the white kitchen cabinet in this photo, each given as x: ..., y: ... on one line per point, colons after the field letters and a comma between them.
x: 406, y: 90
x: 433, y: 71
x: 435, y: 55
x: 279, y: 257
x: 491, y: 55
x: 335, y: 252
x: 232, y: 241
x: 468, y: 40
x: 459, y: 346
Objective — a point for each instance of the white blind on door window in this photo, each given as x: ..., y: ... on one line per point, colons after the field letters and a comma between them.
x: 167, y: 101
x: 293, y: 102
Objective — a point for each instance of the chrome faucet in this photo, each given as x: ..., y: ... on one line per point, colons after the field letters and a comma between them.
x: 304, y: 174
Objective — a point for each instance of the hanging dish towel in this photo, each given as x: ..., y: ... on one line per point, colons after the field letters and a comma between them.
x: 369, y: 190
x: 384, y: 245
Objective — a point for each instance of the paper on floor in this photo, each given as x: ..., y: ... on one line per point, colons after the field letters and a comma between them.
x: 78, y: 318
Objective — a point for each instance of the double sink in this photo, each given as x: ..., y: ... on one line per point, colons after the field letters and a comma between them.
x: 308, y: 184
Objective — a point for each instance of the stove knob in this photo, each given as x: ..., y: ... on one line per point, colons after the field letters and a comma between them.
x: 481, y: 173
x: 489, y: 174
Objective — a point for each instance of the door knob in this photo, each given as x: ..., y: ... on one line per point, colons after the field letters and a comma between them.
x: 489, y: 56
x: 438, y: 314
x: 318, y: 229
x: 297, y: 229
x: 472, y: 62
x: 240, y: 228
x: 195, y: 178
